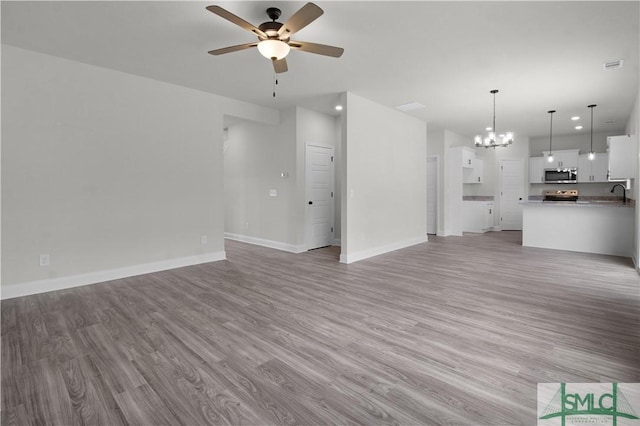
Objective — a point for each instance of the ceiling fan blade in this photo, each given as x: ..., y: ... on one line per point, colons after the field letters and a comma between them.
x: 280, y: 65
x: 320, y: 49
x: 232, y: 48
x: 223, y: 13
x: 303, y: 17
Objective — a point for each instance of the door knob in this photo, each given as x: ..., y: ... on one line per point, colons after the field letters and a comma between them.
x: 310, y: 202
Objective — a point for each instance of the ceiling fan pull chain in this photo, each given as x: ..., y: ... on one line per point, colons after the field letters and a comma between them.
x: 275, y: 83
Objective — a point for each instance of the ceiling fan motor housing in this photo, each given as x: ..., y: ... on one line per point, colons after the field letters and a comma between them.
x: 270, y: 28
x: 273, y: 13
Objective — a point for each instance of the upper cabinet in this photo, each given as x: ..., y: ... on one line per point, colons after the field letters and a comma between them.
x: 590, y: 171
x: 472, y: 166
x: 563, y: 159
x: 623, y: 156
x: 468, y: 157
x: 536, y: 169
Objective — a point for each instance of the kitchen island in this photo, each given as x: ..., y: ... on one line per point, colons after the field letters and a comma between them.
x: 603, y: 227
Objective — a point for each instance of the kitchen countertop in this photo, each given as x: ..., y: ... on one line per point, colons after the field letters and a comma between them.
x: 477, y: 198
x: 580, y: 203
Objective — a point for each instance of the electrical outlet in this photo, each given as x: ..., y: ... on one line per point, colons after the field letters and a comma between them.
x: 203, y: 239
x: 44, y: 260
x: 273, y: 193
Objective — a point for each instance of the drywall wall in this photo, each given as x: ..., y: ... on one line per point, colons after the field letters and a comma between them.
x: 632, y: 127
x: 260, y: 159
x: 577, y: 141
x: 260, y: 204
x: 108, y: 173
x: 435, y: 147
x: 384, y: 179
x: 316, y: 128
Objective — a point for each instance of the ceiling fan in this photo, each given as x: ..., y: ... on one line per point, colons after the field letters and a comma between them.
x: 274, y: 38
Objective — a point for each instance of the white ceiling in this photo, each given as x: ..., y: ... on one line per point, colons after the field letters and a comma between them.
x: 444, y: 55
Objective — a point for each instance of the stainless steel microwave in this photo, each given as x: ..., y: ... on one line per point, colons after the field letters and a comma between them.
x: 569, y: 175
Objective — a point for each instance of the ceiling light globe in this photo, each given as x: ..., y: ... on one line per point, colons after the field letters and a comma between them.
x: 273, y: 49
x: 550, y: 158
x: 592, y: 156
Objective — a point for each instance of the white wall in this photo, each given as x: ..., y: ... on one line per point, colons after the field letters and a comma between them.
x: 110, y: 174
x: 452, y: 197
x: 255, y: 156
x: 384, y: 179
x: 435, y: 146
x: 575, y: 141
x: 320, y: 129
x: 632, y: 127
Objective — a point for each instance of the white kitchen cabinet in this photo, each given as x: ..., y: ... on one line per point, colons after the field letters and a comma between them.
x: 474, y: 174
x: 590, y: 171
x: 536, y: 169
x: 623, y: 157
x: 562, y: 159
x: 468, y: 157
x: 477, y: 216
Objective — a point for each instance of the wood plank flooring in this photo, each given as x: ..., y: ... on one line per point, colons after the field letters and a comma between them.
x: 458, y: 330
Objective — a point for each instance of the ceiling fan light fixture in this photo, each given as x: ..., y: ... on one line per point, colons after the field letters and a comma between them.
x: 273, y: 49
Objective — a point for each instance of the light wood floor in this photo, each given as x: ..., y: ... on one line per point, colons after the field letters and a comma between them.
x: 454, y: 331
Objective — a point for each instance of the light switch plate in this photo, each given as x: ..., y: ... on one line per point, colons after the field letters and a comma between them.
x: 273, y: 193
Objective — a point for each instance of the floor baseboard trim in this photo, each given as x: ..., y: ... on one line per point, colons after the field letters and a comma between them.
x: 291, y: 248
x: 376, y: 251
x: 43, y: 286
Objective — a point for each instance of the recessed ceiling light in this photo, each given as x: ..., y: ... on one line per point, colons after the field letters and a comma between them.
x: 578, y: 127
x: 575, y: 118
x: 410, y: 106
x: 338, y: 107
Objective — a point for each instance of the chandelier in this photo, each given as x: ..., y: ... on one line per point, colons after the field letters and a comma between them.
x: 492, y: 139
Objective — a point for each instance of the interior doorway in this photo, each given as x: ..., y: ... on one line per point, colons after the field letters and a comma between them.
x: 320, y: 196
x: 511, y: 194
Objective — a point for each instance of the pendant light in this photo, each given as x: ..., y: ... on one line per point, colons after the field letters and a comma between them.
x: 592, y: 154
x: 550, y: 157
x: 491, y: 141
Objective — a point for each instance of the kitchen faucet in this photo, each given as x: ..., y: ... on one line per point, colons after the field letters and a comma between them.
x: 624, y: 192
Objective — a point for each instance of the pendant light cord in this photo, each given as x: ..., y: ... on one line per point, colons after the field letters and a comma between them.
x: 550, y: 130
x: 591, y: 108
x: 494, y: 113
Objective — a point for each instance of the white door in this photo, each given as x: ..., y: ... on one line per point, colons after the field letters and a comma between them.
x: 319, y: 190
x: 432, y: 195
x: 511, y: 193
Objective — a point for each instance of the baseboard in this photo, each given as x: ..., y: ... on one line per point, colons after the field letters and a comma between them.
x: 336, y: 242
x: 42, y: 286
x: 376, y: 251
x: 291, y: 248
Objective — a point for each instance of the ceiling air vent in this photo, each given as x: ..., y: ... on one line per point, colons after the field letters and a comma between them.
x: 410, y: 106
x: 613, y: 65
